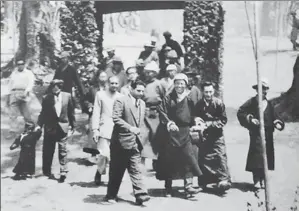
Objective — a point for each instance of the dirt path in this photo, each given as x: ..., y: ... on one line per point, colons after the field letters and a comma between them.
x: 79, y: 192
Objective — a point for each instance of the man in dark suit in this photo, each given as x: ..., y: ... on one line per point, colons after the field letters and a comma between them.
x: 57, y: 117
x: 127, y: 143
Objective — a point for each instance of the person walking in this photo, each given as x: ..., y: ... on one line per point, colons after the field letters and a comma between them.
x: 19, y: 96
x: 177, y: 159
x: 212, y: 151
x: 58, y: 119
x: 102, y: 124
x: 132, y: 75
x: 248, y: 116
x: 127, y: 143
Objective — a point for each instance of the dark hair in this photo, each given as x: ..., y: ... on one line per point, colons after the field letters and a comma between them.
x: 132, y: 67
x: 207, y: 83
x: 95, y: 78
x: 134, y: 84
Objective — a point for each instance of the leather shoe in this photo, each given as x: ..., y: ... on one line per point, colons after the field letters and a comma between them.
x: 50, y: 176
x: 62, y: 179
x: 110, y: 200
x: 191, y: 190
x: 140, y: 199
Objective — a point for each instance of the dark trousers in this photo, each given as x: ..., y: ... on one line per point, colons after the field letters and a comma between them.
x: 48, y: 152
x: 122, y: 159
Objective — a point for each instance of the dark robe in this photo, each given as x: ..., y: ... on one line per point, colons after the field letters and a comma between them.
x: 212, y: 156
x: 177, y: 159
x: 255, y: 153
x: 26, y: 162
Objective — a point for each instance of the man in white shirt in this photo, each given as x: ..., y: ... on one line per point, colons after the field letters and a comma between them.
x: 19, y: 94
x: 102, y: 124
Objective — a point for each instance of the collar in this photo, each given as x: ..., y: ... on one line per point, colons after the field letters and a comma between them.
x: 134, y: 100
x: 206, y: 102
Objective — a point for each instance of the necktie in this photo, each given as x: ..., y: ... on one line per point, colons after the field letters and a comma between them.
x: 137, y: 103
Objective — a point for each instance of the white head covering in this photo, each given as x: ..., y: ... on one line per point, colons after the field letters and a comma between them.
x: 181, y: 76
x: 171, y: 67
x: 265, y: 84
x: 153, y: 66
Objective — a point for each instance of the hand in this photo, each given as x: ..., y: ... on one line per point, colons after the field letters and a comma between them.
x: 197, y: 128
x: 90, y: 110
x: 70, y: 132
x: 173, y: 127
x: 96, y: 136
x: 135, y: 130
x: 37, y: 128
x: 255, y: 121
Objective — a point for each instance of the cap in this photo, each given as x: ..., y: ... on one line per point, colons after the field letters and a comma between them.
x: 153, y: 66
x: 167, y: 34
x: 181, y: 76
x: 265, y: 84
x: 171, y: 67
x: 117, y: 59
x: 20, y: 62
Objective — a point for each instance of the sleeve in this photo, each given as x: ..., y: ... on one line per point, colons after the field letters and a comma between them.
x: 117, y: 115
x: 77, y: 81
x: 88, y: 101
x: 179, y: 50
x: 41, y: 117
x: 15, y: 144
x: 244, y: 114
x: 96, y: 114
x: 163, y: 108
x: 221, y: 118
x: 31, y: 81
x: 71, y: 113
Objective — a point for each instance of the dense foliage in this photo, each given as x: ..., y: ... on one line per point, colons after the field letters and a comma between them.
x: 79, y: 35
x: 203, y: 35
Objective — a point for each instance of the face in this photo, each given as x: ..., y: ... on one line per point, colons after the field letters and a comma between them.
x: 149, y: 75
x: 264, y: 93
x: 208, y: 92
x: 64, y: 60
x: 113, y: 84
x: 111, y: 54
x: 132, y: 74
x: 138, y: 92
x: 55, y: 89
x: 179, y: 86
x: 171, y: 73
x: 21, y: 67
x: 103, y: 77
x: 148, y: 49
x: 117, y: 66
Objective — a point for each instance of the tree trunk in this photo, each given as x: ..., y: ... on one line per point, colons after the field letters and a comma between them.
x: 287, y: 105
x: 36, y: 21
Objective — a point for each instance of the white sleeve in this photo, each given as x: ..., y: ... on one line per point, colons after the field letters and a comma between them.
x: 31, y: 81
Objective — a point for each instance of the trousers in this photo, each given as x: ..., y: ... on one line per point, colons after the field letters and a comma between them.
x: 104, y: 156
x: 121, y: 160
x: 49, y: 144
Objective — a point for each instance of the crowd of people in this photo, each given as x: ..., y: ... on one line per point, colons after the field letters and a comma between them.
x: 152, y: 110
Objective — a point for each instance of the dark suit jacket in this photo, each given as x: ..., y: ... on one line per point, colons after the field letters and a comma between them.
x: 125, y: 116
x: 69, y: 77
x: 48, y: 116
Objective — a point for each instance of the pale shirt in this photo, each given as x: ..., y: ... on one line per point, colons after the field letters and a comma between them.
x: 102, y: 113
x: 21, y: 80
x: 58, y: 104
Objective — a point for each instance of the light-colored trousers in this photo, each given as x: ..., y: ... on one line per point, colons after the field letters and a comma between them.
x: 103, y: 158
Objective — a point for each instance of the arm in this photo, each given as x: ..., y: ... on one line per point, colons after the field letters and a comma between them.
x: 42, y: 115
x: 117, y: 115
x: 163, y: 112
x: 77, y: 81
x: 96, y: 114
x: 244, y: 115
x: 71, y: 114
x: 31, y: 79
x: 221, y: 118
x: 15, y: 144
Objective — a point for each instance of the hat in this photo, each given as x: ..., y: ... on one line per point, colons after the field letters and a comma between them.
x: 117, y: 59
x: 149, y: 44
x: 153, y: 66
x: 20, y: 62
x: 154, y: 39
x: 64, y: 54
x: 167, y: 48
x: 110, y: 49
x: 265, y: 84
x: 172, y: 54
x: 181, y: 76
x: 171, y: 67
x: 167, y: 34
x: 56, y: 81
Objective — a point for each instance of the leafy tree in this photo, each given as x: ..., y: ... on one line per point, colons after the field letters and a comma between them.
x: 203, y: 36
x: 80, y: 36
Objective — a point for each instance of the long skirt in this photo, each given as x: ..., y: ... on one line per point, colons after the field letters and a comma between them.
x: 212, y: 160
x: 172, y: 163
x: 255, y: 160
x: 26, y: 163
